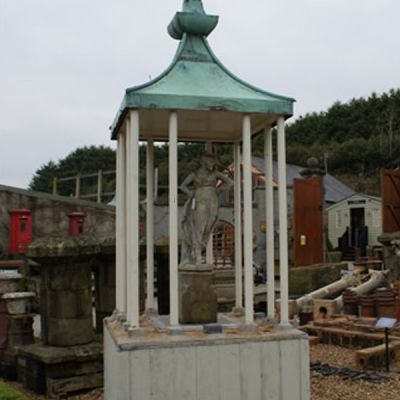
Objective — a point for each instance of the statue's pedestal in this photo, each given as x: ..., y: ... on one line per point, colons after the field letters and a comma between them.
x: 197, y: 295
x: 266, y: 363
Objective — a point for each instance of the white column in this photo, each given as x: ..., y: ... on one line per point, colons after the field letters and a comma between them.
x: 209, y: 248
x: 238, y: 226
x: 120, y: 224
x: 269, y: 218
x: 132, y: 220
x: 150, y: 223
x: 247, y: 221
x: 283, y: 235
x: 173, y: 218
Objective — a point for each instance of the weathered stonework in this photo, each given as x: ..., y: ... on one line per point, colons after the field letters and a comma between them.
x: 57, y: 371
x: 266, y: 363
x: 197, y: 295
x: 66, y: 305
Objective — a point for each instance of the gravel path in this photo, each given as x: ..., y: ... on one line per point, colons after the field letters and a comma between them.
x: 335, y: 388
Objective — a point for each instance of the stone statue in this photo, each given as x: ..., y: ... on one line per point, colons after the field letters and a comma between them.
x: 201, y: 209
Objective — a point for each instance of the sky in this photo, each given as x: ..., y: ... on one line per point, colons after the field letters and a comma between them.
x: 64, y: 64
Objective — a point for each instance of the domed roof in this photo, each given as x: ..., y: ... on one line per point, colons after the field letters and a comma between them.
x: 197, y: 81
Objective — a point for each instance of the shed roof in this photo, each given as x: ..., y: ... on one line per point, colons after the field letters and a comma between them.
x: 368, y: 197
x: 197, y: 81
x: 335, y: 190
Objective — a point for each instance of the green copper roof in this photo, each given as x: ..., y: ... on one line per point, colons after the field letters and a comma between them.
x: 196, y: 79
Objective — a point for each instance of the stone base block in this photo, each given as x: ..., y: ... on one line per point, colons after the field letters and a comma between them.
x: 197, y: 295
x: 69, y: 332
x: 236, y: 365
x: 325, y: 307
x: 57, y: 371
x: 8, y: 364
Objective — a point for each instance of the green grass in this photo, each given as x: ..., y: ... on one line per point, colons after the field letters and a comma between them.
x: 9, y: 393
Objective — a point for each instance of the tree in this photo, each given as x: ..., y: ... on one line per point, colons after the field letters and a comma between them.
x: 83, y: 160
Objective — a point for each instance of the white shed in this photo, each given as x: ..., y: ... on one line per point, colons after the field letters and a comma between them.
x: 355, y: 222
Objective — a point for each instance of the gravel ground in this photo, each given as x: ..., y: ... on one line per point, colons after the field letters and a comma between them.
x: 335, y: 388
x: 322, y: 387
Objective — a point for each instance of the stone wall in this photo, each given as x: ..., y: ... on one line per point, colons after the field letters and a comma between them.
x: 303, y: 280
x: 50, y: 214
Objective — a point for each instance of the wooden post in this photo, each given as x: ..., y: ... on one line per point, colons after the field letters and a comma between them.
x: 54, y: 190
x: 99, y: 185
x: 247, y: 221
x: 78, y: 186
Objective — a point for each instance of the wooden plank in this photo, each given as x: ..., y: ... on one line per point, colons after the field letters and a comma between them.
x: 308, y: 201
x: 271, y: 371
x: 207, y: 373
x: 162, y: 373
x: 290, y: 367
x: 116, y: 371
x: 173, y: 373
x: 372, y: 356
x: 229, y: 372
x: 304, y: 370
x: 139, y: 373
x: 250, y: 371
x: 56, y: 387
x: 185, y: 373
x: 313, y: 340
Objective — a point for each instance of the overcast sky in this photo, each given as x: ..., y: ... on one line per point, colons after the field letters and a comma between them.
x: 64, y: 64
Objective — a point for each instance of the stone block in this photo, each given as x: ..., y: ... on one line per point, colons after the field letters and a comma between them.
x: 9, y: 283
x: 198, y: 298
x: 18, y: 302
x: 210, y: 329
x: 59, y: 371
x: 69, y: 332
x: 322, y: 305
x: 20, y: 331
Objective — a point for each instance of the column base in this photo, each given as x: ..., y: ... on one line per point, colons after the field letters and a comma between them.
x: 197, y: 296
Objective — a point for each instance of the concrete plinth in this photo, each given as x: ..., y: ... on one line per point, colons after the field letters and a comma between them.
x: 66, y: 289
x: 237, y: 364
x: 57, y: 371
x: 198, y: 298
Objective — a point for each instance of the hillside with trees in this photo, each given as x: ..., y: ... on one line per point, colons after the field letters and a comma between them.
x: 353, y: 140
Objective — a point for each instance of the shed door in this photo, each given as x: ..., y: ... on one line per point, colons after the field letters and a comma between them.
x: 308, y: 221
x: 390, y: 187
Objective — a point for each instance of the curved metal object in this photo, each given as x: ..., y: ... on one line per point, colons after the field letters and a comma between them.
x: 347, y: 280
x: 376, y: 278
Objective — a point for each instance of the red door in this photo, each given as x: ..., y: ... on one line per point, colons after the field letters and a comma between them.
x: 308, y: 201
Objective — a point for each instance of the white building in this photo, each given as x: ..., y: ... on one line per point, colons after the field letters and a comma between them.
x: 355, y: 222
